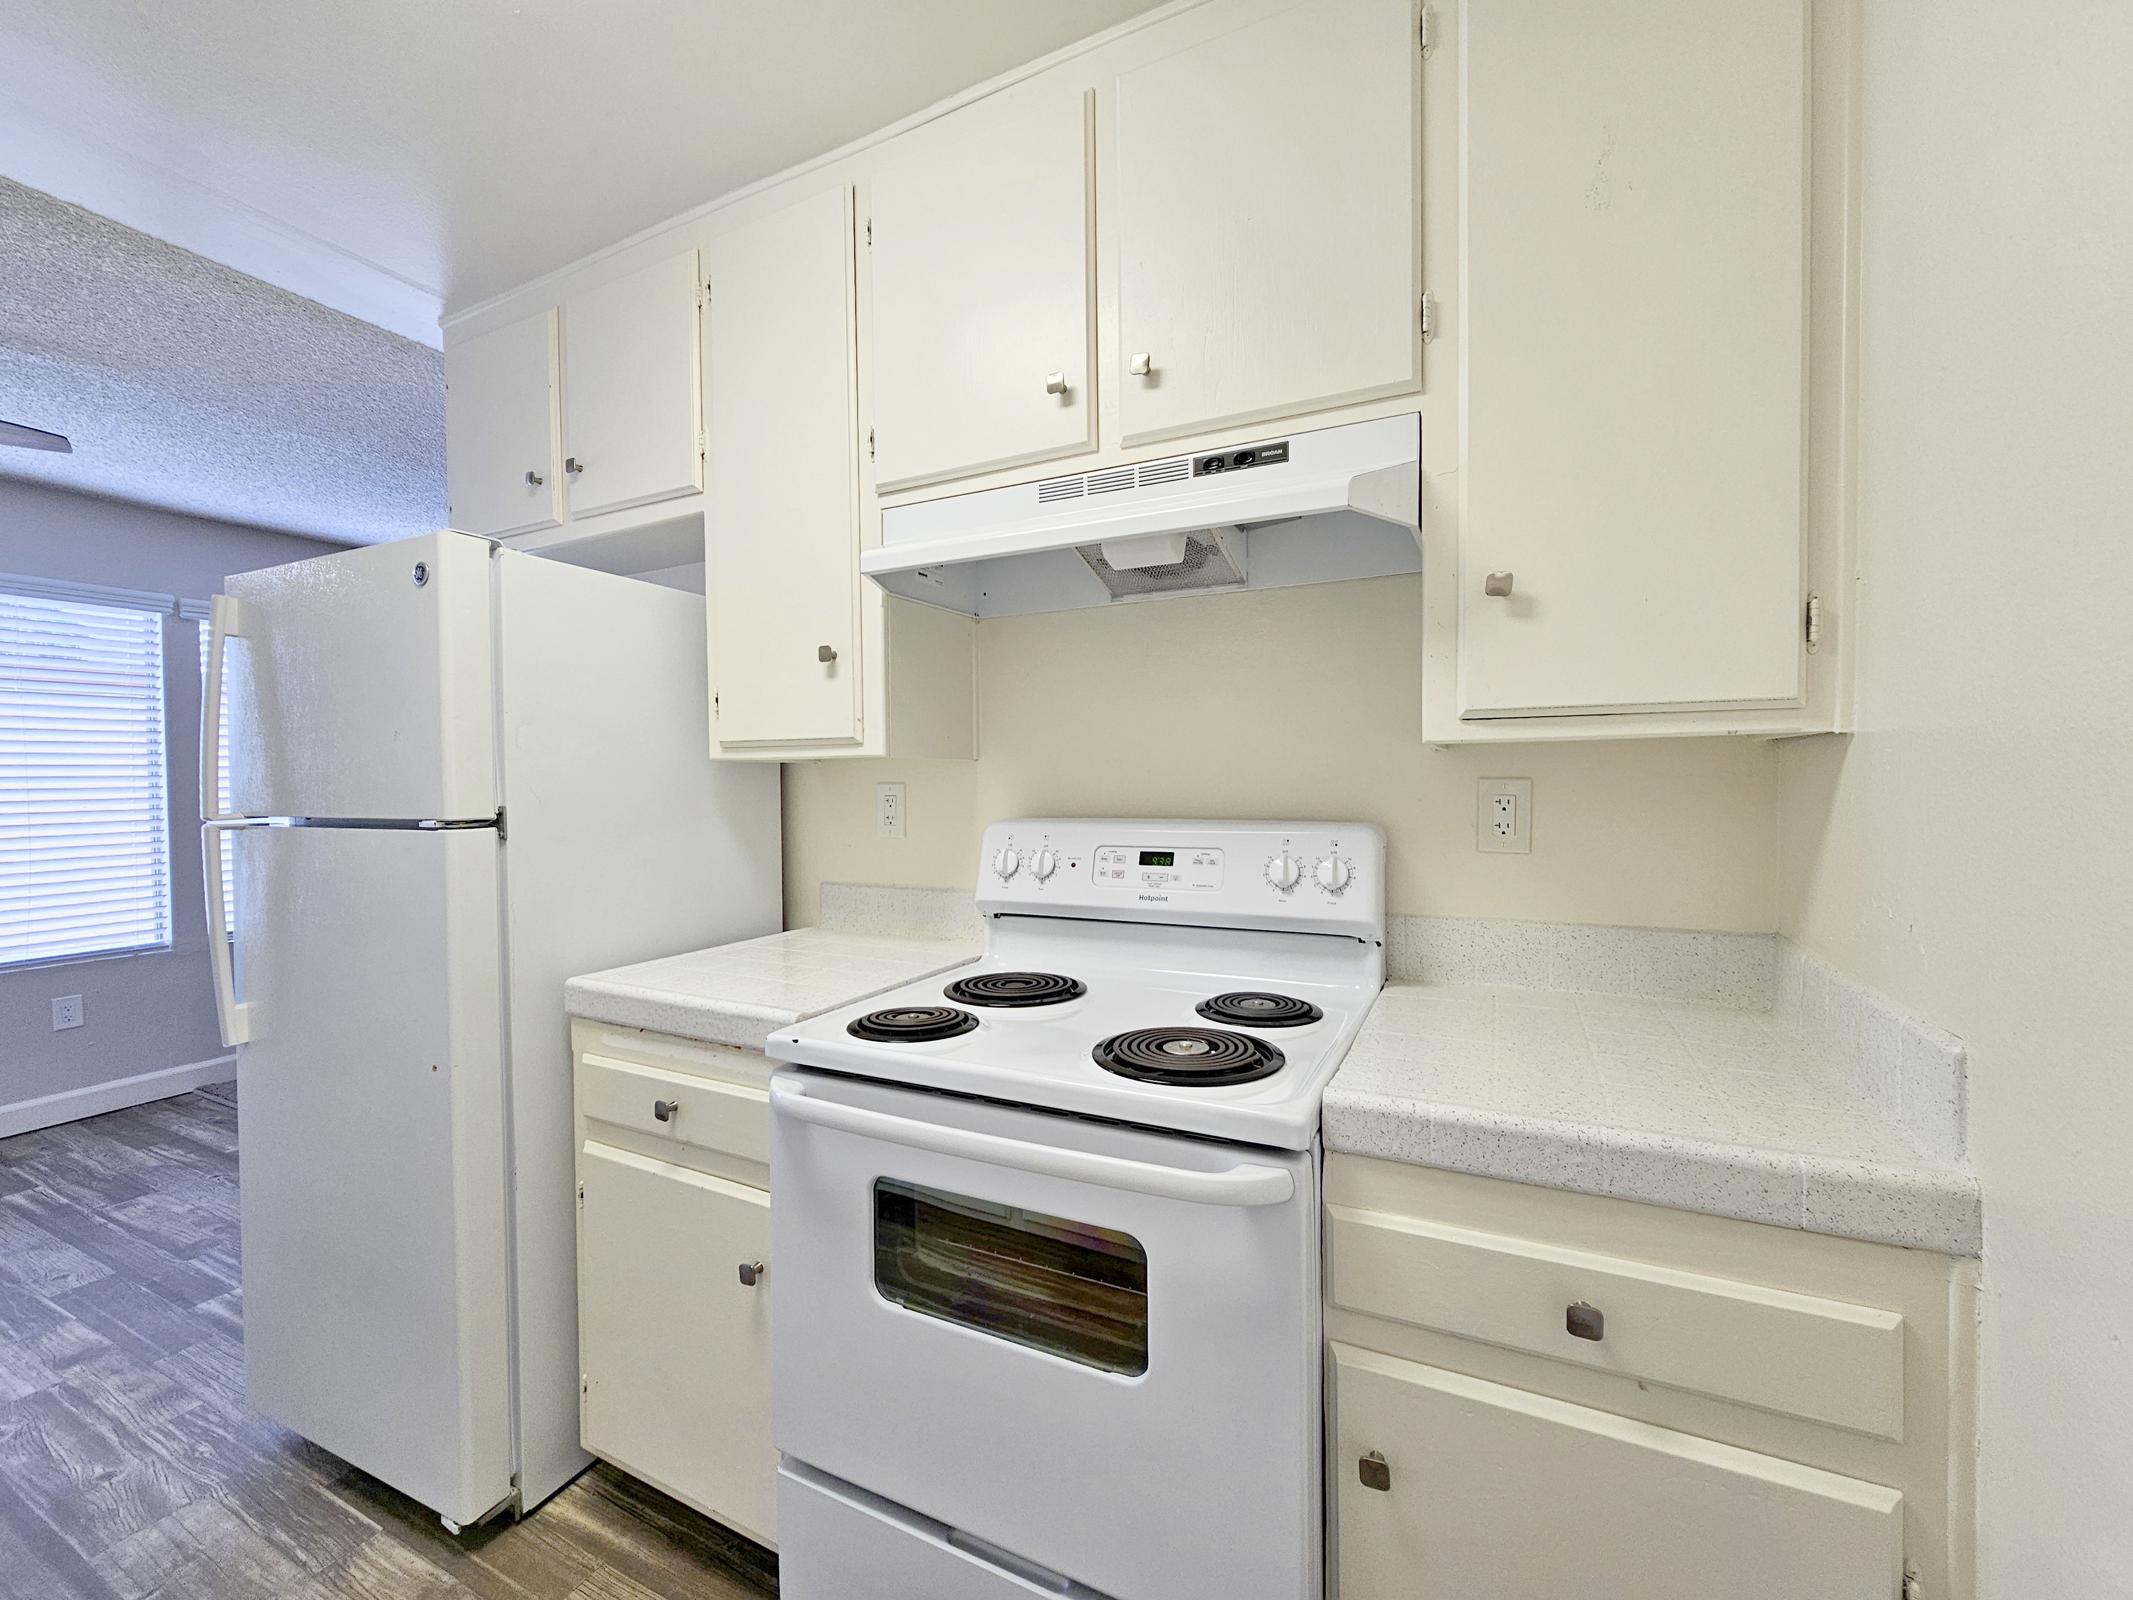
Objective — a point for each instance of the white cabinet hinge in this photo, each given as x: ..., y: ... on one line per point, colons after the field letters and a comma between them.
x: 1426, y: 30
x: 581, y: 1194
x: 1429, y: 316
x: 870, y: 233
x: 703, y: 445
x: 870, y: 444
x: 1912, y: 1588
x: 714, y: 718
x: 1814, y: 623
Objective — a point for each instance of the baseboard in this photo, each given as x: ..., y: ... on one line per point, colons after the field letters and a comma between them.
x: 115, y: 1094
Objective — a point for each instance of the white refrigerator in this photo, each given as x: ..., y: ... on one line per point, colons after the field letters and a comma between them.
x: 457, y: 775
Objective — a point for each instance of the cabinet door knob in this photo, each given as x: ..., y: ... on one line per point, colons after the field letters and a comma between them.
x: 825, y: 652
x: 1583, y: 1321
x: 751, y: 1273
x: 1055, y: 383
x: 1140, y: 366
x: 1496, y: 585
x: 534, y: 480
x: 664, y: 1109
x: 1374, y: 1471
x: 573, y: 465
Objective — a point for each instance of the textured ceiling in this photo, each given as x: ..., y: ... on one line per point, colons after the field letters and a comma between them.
x: 465, y: 147
x: 186, y: 385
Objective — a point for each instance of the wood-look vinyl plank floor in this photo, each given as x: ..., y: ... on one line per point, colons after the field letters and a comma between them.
x: 131, y: 1468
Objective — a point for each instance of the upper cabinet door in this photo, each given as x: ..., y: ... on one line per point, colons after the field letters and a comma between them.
x: 1269, y: 253
x: 1632, y: 313
x: 781, y: 530
x: 979, y: 268
x: 633, y: 389
x: 500, y: 428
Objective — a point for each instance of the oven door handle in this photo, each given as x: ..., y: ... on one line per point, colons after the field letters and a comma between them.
x: 1245, y: 1184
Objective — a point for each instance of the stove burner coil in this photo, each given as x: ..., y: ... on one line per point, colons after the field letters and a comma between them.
x: 1256, y: 1008
x: 911, y: 1024
x: 1016, y: 989
x: 1188, y: 1057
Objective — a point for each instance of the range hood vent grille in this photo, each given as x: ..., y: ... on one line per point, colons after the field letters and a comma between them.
x: 1113, y: 479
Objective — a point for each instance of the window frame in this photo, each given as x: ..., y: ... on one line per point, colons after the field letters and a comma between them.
x: 161, y: 906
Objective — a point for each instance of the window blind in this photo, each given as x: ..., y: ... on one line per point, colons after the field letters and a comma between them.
x: 84, y: 824
x: 222, y: 789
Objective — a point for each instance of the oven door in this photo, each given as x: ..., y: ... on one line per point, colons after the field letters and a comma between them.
x: 1090, y: 1346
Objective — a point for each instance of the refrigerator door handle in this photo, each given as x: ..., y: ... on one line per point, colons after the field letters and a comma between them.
x: 234, y: 1019
x: 222, y: 621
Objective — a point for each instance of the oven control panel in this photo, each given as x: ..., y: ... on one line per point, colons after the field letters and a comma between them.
x: 1191, y: 868
x: 1308, y: 876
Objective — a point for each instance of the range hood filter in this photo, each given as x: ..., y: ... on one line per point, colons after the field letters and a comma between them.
x: 1208, y: 558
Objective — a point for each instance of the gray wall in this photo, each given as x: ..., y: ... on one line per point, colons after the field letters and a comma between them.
x: 145, y: 1012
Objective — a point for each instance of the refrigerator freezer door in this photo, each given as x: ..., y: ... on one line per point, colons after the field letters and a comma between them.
x: 362, y: 684
x: 372, y: 1148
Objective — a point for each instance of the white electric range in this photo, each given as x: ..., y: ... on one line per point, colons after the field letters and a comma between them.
x: 1045, y: 1227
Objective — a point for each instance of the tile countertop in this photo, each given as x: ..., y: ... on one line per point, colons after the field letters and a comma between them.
x: 1701, y: 1108
x: 737, y: 993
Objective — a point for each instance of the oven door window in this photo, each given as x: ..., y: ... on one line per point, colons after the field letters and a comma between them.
x: 1046, y: 1282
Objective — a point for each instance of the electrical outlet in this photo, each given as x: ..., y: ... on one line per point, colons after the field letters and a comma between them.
x: 66, y: 1012
x: 1503, y: 823
x: 889, y: 810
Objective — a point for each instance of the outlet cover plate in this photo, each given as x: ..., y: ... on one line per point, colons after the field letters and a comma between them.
x: 1503, y: 816
x: 66, y: 1012
x: 889, y: 810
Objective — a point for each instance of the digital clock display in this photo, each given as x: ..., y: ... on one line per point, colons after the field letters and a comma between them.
x: 1159, y: 858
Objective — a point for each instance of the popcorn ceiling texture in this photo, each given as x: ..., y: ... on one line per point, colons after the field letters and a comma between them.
x: 188, y: 386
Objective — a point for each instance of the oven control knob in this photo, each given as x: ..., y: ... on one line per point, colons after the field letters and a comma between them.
x: 1333, y: 874
x: 1042, y: 865
x: 1283, y: 871
x: 1006, y: 863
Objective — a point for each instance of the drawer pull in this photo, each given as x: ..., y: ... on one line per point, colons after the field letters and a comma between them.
x: 1584, y: 1321
x: 664, y: 1109
x: 751, y: 1273
x: 1375, y: 1471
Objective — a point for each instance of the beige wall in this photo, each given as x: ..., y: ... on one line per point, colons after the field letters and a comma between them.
x: 1300, y: 702
x: 1970, y: 851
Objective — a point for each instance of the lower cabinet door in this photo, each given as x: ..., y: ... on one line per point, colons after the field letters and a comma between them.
x: 673, y: 1345
x: 1452, y: 1488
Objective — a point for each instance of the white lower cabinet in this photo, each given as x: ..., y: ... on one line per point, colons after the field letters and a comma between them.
x: 674, y: 1346
x: 1532, y: 1392
x: 1455, y: 1486
x: 674, y: 1275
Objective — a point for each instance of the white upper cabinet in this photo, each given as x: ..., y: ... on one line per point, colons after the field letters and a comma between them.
x: 1267, y: 230
x: 1633, y: 221
x: 781, y: 528
x: 632, y: 389
x: 979, y: 325
x: 500, y: 421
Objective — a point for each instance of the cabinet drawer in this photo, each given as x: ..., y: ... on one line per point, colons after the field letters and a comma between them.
x: 1824, y: 1360
x: 729, y: 1117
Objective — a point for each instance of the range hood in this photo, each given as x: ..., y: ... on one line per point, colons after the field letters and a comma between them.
x: 1267, y: 512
